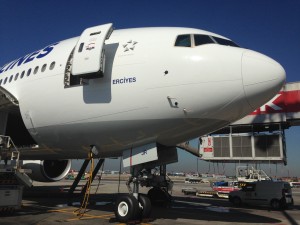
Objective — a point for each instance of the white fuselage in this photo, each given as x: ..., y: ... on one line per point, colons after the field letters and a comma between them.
x: 151, y: 91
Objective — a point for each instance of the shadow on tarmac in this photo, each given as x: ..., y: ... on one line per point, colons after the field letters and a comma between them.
x: 41, y: 200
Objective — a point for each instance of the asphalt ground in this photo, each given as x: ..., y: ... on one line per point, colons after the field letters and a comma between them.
x: 50, y: 204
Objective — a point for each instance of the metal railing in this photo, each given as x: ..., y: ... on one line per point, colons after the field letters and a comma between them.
x: 8, y: 151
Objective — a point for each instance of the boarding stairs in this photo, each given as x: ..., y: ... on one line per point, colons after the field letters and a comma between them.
x: 12, y: 177
x: 10, y: 171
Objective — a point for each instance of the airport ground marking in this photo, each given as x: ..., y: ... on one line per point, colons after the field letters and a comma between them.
x: 87, y: 217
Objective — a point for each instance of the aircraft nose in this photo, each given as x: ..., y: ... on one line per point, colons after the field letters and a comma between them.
x: 263, y: 77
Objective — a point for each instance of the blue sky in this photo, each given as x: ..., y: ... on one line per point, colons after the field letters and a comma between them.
x: 271, y: 27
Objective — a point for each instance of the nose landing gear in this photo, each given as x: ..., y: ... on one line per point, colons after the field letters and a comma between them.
x: 136, y: 206
x: 126, y: 208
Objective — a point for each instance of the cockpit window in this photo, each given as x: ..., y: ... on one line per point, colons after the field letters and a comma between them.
x: 193, y: 40
x: 183, y: 40
x: 222, y: 41
x: 202, y: 39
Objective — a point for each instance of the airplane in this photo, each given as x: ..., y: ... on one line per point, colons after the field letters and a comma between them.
x: 134, y: 93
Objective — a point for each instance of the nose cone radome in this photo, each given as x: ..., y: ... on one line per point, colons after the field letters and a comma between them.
x: 263, y: 77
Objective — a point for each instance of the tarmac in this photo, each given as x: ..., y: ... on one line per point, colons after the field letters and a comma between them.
x: 49, y: 203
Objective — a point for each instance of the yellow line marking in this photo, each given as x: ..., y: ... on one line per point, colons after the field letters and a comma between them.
x: 61, y: 210
x: 92, y: 217
x: 85, y: 217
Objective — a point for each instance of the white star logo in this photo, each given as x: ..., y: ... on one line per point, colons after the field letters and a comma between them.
x: 129, y: 46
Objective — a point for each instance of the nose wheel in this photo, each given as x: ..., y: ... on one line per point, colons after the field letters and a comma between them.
x: 128, y: 208
x: 145, y: 206
x: 134, y: 207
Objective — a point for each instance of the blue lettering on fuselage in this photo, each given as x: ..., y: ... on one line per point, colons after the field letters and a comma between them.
x: 31, y: 57
x: 28, y: 58
x: 124, y: 80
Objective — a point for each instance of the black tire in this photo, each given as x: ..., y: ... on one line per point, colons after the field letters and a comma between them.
x: 146, y: 205
x: 126, y: 208
x: 236, y: 201
x: 275, y: 204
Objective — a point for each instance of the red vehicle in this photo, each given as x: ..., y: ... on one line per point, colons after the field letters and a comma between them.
x: 225, y: 187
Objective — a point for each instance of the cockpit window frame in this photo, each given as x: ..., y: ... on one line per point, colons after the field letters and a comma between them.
x: 191, y: 41
x: 233, y: 44
x: 214, y: 41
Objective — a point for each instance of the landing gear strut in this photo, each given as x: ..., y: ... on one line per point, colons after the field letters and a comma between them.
x: 133, y: 206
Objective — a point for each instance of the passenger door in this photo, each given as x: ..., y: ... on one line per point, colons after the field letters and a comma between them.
x: 89, y: 55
